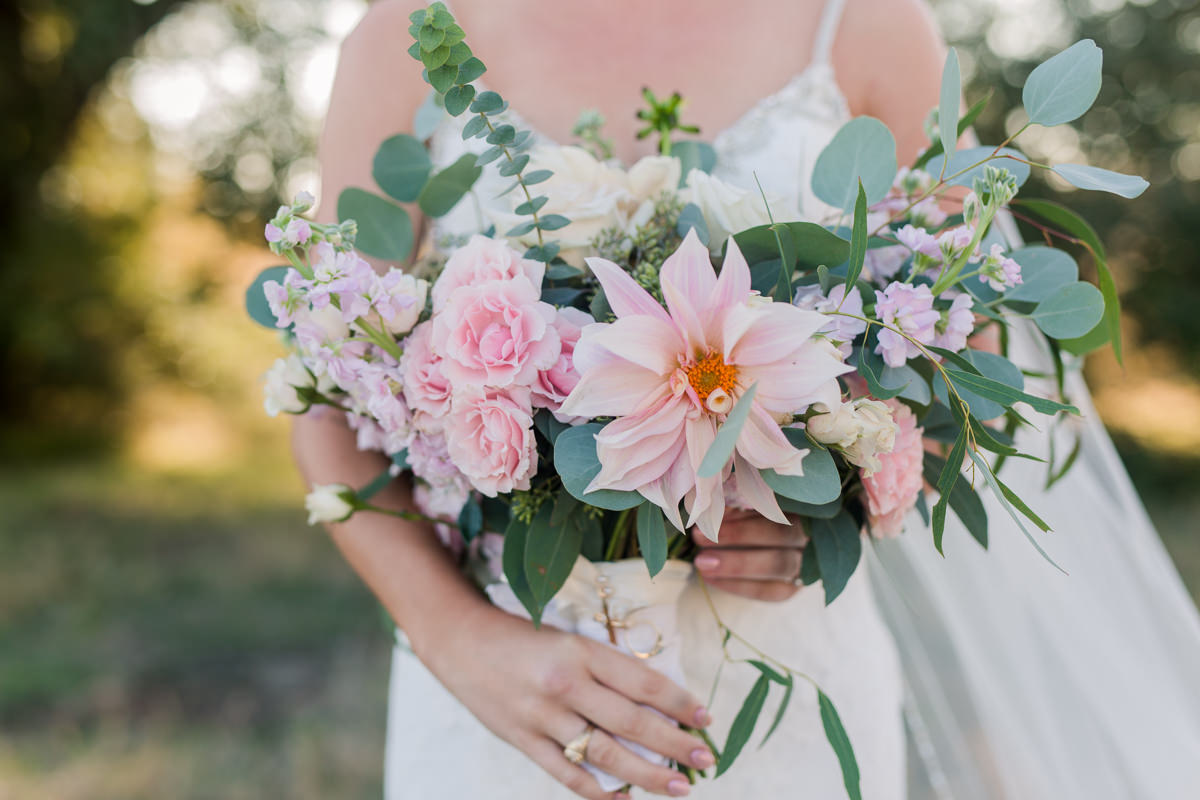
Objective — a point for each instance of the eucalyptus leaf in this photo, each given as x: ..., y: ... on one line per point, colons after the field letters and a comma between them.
x: 576, y: 462
x: 442, y: 78
x: 783, y: 707
x: 1071, y: 311
x: 839, y: 548
x: 692, y: 219
x: 470, y: 70
x: 907, y: 383
x: 384, y: 228
x: 1072, y: 223
x: 256, y: 300
x: 652, y: 536
x: 446, y: 188
x: 990, y: 365
x: 721, y: 450
x: 550, y: 554
x: 820, y: 482
x: 401, y: 167
x: 948, y: 102
x: 1043, y: 271
x: 1083, y: 176
x: 815, y: 245
x: 693, y: 155
x: 858, y: 237
x: 743, y: 724
x: 994, y: 482
x: 1006, y: 395
x: 1064, y: 86
x: 835, y: 733
x: 513, y: 561
x: 458, y: 98
x: 486, y: 102
x: 429, y: 115
x: 863, y: 149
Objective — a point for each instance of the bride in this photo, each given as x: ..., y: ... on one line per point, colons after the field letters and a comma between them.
x: 975, y: 677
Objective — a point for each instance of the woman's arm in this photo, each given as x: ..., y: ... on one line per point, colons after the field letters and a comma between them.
x: 536, y: 689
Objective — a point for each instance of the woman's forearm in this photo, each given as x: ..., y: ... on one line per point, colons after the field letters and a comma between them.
x: 402, y: 562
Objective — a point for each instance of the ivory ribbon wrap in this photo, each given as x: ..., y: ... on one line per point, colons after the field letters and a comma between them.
x: 620, y: 596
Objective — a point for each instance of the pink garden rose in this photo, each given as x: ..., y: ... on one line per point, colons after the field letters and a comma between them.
x: 426, y: 387
x: 555, y: 383
x: 489, y: 436
x: 495, y: 333
x: 892, y: 490
x: 480, y: 260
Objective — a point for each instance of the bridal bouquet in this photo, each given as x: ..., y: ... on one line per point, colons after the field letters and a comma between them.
x: 627, y: 353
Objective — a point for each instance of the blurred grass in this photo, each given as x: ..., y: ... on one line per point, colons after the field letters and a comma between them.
x: 181, y: 636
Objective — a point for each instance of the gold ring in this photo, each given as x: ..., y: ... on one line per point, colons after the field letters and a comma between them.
x: 576, y: 749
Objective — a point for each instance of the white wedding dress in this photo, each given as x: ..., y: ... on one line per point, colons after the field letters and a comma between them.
x: 1004, y: 684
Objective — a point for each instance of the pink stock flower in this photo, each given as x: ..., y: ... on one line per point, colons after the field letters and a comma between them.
x: 909, y: 308
x: 842, y: 330
x: 496, y: 333
x: 881, y: 263
x: 892, y: 490
x: 956, y: 324
x: 999, y: 271
x: 555, y: 383
x: 670, y: 376
x: 426, y: 387
x: 919, y: 240
x: 482, y: 259
x: 298, y: 231
x: 489, y: 436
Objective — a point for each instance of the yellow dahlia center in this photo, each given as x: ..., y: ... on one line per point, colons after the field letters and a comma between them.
x: 711, y: 373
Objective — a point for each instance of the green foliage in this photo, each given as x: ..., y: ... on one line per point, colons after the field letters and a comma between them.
x: 836, y: 734
x: 693, y: 155
x: 652, y: 536
x: 1044, y: 270
x: 1064, y: 86
x: 447, y: 187
x: 513, y: 561
x: 401, y: 167
x: 576, y: 462
x: 384, y: 228
x: 551, y: 551
x: 820, y: 483
x: 948, y: 101
x: 743, y: 724
x: 993, y: 366
x: 1071, y: 311
x: 1084, y: 176
x: 1005, y: 157
x: 662, y: 118
x: 862, y: 150
x: 838, y: 546
x: 858, y: 236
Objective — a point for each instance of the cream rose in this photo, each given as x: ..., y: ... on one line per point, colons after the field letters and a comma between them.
x: 728, y: 209
x: 862, y: 429
x: 331, y: 502
x: 283, y: 380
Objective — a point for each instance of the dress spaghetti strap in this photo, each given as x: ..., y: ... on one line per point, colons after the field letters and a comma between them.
x: 831, y: 15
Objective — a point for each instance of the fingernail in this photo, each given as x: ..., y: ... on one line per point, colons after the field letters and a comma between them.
x: 707, y: 562
x: 702, y: 717
x: 702, y: 759
x: 679, y: 788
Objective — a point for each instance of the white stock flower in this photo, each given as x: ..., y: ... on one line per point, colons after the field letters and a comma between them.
x: 862, y: 429
x: 280, y: 395
x: 329, y: 503
x: 728, y: 209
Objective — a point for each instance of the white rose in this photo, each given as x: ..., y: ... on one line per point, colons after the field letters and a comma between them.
x: 877, y: 435
x: 653, y: 176
x: 329, y: 503
x: 282, y: 381
x: 593, y: 195
x: 837, y: 427
x: 862, y: 429
x: 728, y: 209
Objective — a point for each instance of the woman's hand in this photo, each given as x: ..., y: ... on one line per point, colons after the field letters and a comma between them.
x: 755, y: 558
x: 540, y: 688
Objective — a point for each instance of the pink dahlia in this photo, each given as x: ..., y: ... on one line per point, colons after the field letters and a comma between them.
x: 670, y: 376
x: 892, y: 489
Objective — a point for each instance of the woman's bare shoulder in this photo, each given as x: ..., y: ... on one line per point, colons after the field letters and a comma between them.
x: 888, y: 58
x: 376, y: 93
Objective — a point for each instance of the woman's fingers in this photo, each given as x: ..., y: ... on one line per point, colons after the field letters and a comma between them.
x: 754, y: 531
x: 607, y: 754
x: 621, y: 717
x: 767, y: 564
x: 641, y: 684
x: 548, y: 755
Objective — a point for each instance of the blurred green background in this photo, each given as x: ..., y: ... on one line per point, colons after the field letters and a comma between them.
x: 169, y: 627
